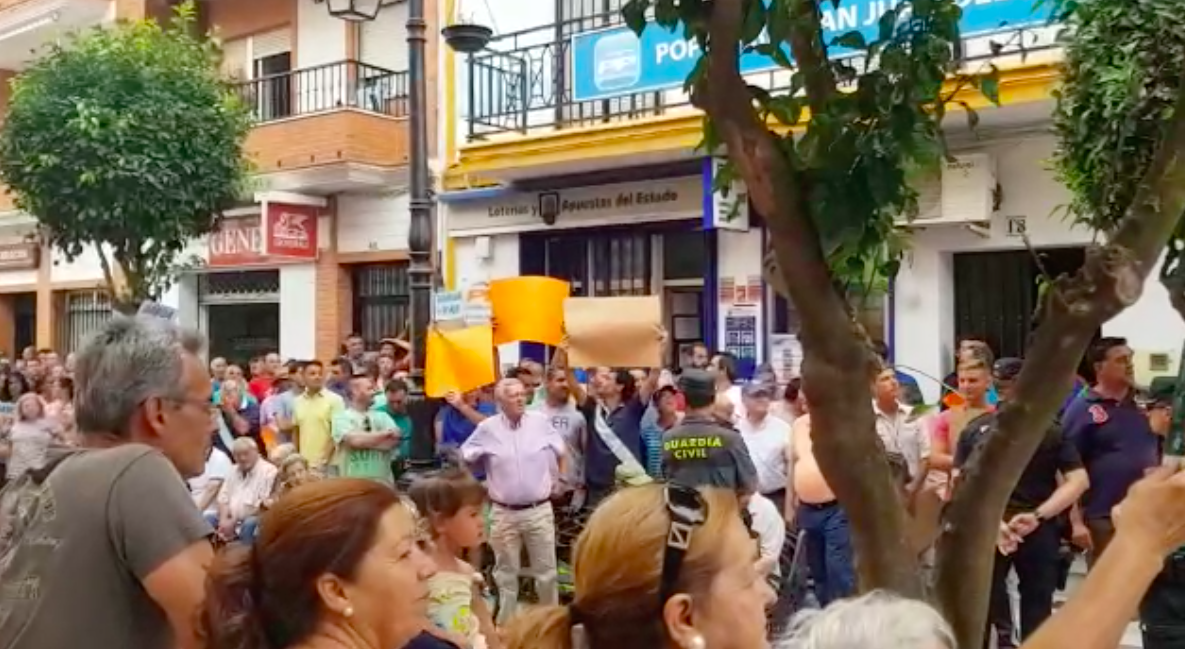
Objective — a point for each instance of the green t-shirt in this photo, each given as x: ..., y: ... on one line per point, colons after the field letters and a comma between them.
x: 372, y: 464
x: 402, y: 421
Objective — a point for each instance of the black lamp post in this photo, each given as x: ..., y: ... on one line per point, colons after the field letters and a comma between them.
x: 419, y: 241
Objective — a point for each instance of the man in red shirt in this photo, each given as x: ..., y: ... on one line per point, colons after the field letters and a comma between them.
x: 261, y: 386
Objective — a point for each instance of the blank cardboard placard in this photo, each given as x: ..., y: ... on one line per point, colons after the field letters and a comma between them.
x: 529, y: 309
x: 614, y: 331
x: 458, y: 360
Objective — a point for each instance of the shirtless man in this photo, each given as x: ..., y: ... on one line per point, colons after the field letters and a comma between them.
x: 824, y: 524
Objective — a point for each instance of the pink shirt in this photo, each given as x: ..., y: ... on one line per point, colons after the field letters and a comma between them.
x: 520, y: 462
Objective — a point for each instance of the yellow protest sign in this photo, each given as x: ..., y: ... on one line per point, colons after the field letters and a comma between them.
x: 529, y: 309
x: 458, y: 360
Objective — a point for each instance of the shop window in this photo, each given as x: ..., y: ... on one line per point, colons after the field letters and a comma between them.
x: 382, y: 301
x: 84, y: 313
x: 621, y: 264
x: 684, y: 255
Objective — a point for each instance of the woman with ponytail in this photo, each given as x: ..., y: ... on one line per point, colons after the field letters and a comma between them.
x: 336, y: 565
x: 658, y: 567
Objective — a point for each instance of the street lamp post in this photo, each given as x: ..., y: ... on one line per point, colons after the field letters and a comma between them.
x: 419, y: 241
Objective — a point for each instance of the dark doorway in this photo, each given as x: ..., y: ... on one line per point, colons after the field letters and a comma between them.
x: 382, y: 301
x: 240, y: 332
x: 996, y: 293
x: 24, y: 321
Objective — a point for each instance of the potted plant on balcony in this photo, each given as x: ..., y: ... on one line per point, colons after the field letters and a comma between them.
x: 466, y: 36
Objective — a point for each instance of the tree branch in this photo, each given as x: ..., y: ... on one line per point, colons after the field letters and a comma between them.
x: 1111, y: 279
x: 836, y: 367
x: 810, y: 53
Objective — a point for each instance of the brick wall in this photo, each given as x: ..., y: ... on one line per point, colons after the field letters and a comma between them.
x: 332, y: 297
x: 316, y: 140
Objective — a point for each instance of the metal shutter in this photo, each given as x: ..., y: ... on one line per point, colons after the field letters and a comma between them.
x: 271, y: 43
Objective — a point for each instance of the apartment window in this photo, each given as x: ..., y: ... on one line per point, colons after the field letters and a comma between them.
x: 266, y: 61
x: 85, y: 313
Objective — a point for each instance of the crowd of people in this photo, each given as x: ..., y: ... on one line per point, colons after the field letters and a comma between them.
x: 298, y: 524
x: 36, y: 409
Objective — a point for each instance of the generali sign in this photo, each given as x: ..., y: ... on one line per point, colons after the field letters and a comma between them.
x: 281, y: 233
x: 666, y: 199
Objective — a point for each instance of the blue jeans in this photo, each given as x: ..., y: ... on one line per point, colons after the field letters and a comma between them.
x: 828, y: 550
x: 248, y: 529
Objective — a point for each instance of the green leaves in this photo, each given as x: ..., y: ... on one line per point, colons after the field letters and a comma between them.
x: 127, y: 137
x: 634, y: 14
x: 851, y: 158
x: 852, y: 40
x: 989, y: 84
x: 1122, y: 75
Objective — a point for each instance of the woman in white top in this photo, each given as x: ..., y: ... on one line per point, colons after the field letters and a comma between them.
x: 31, y: 435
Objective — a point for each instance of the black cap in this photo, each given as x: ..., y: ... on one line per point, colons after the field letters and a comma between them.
x: 698, y: 387
x: 1007, y: 369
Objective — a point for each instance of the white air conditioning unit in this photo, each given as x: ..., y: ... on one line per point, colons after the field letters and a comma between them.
x: 960, y: 192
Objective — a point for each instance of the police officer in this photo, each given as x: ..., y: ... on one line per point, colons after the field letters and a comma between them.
x: 1033, y: 513
x: 1162, y: 613
x: 702, y: 451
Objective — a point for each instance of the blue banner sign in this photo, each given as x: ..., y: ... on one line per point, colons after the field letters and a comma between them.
x: 616, y: 62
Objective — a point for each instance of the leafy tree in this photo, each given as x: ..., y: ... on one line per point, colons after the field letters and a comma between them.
x: 129, y: 141
x: 831, y: 188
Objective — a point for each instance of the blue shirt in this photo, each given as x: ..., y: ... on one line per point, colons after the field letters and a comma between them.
x: 1117, y: 446
x: 455, y: 427
x: 652, y: 442
x: 600, y: 464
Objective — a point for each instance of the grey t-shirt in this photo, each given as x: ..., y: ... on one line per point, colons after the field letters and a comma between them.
x: 569, y: 422
x: 73, y: 556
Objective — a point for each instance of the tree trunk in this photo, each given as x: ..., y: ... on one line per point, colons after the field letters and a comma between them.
x: 1074, y: 308
x: 837, y: 372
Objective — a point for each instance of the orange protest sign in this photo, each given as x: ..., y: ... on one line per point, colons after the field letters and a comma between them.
x: 529, y: 309
x: 458, y: 360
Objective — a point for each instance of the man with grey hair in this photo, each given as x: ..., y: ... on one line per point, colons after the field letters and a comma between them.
x: 107, y: 535
x: 523, y: 457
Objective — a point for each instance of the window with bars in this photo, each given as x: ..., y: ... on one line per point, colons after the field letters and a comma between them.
x: 381, y: 304
x: 239, y: 285
x: 601, y: 265
x: 84, y: 312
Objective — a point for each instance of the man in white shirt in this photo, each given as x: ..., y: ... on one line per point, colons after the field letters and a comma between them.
x: 766, y: 437
x: 205, y: 487
x: 900, y: 433
x: 244, y: 492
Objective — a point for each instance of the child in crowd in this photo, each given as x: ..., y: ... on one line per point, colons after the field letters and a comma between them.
x: 451, y: 505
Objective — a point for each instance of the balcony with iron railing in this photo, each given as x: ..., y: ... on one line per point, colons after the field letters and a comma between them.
x: 339, y: 113
x: 549, y: 78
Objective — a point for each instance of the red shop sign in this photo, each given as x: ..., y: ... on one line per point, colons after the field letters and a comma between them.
x: 237, y: 242
x: 291, y: 231
x: 288, y: 233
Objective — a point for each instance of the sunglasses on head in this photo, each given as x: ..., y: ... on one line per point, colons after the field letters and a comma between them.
x: 687, y: 510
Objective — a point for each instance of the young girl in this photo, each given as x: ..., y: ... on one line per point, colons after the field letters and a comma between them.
x: 451, y: 505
